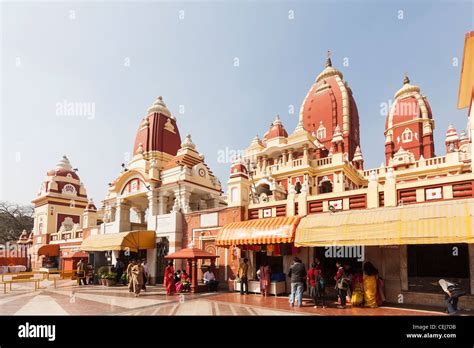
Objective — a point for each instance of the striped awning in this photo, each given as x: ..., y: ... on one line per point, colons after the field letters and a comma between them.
x: 131, y: 241
x: 426, y: 223
x: 259, y: 231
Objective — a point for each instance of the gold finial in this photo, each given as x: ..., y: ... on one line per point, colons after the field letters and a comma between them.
x: 328, y: 59
x: 406, y: 80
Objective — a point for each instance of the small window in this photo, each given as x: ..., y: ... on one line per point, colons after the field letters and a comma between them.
x: 407, y: 136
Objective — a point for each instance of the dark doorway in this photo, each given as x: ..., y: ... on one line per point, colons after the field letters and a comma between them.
x: 429, y: 263
x: 162, y: 249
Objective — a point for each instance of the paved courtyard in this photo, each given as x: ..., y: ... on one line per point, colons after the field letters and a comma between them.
x: 70, y: 299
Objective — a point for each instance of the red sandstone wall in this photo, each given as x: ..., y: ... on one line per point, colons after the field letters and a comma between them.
x: 225, y: 216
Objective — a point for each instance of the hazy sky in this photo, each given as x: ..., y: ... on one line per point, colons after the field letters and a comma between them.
x: 118, y: 56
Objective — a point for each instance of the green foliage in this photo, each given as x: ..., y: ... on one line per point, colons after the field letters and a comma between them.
x: 110, y: 276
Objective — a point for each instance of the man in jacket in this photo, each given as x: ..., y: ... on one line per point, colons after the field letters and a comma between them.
x: 297, y: 274
x: 243, y: 275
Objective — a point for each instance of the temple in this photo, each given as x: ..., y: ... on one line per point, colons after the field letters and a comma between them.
x: 299, y: 189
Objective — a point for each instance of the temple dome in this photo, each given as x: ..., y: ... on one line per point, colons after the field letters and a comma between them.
x: 330, y: 103
x: 63, y: 168
x: 158, y: 131
x: 409, y: 123
x: 276, y: 130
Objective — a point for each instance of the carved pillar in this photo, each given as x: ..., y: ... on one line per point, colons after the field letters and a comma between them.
x: 290, y: 157
x: 122, y: 215
x: 194, y: 282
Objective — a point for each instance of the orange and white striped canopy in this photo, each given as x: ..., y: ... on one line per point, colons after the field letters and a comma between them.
x: 259, y: 231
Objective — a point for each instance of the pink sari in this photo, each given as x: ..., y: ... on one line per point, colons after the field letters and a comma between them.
x: 264, y: 277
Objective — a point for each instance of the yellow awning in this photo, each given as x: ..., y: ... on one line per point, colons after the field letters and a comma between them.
x: 426, y: 223
x: 132, y: 240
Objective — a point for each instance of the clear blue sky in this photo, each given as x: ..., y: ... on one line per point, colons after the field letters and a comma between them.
x: 78, y: 52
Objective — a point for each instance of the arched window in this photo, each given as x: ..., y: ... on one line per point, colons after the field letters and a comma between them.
x: 407, y: 135
x: 321, y: 131
x: 298, y: 187
x: 69, y: 189
x: 325, y: 186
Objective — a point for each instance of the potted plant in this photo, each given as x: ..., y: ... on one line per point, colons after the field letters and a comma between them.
x: 110, y: 279
x: 102, y: 273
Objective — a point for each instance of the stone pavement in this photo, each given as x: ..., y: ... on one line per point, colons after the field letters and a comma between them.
x: 70, y: 299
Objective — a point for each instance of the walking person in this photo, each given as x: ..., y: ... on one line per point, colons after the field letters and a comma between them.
x: 145, y: 274
x: 264, y: 276
x: 137, y: 278
x: 129, y: 275
x: 342, y: 284
x: 169, y: 279
x: 119, y: 268
x: 90, y: 274
x: 297, y: 274
x: 242, y: 273
x: 312, y: 283
x: 81, y: 272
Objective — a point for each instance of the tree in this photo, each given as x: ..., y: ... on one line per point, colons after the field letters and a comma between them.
x: 14, y: 218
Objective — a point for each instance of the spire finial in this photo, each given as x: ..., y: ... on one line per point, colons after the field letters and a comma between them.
x: 406, y: 79
x: 328, y: 59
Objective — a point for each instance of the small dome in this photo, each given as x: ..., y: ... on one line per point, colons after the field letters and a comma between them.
x: 63, y: 168
x: 238, y: 169
x: 407, y: 87
x: 451, y: 134
x: 188, y: 143
x: 159, y: 107
x: 276, y: 130
x: 328, y: 71
x: 90, y: 206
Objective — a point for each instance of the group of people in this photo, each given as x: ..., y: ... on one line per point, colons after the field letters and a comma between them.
x: 176, y: 282
x: 137, y: 275
x: 361, y: 287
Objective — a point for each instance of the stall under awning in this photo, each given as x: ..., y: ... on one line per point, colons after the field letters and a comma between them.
x: 259, y: 231
x: 49, y: 250
x: 132, y: 240
x: 191, y: 253
x: 427, y: 223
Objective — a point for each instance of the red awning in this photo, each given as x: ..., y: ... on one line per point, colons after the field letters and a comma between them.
x: 49, y: 250
x: 191, y: 253
x: 77, y: 255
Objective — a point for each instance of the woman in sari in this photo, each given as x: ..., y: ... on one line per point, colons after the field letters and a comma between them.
x: 169, y: 279
x: 357, y: 288
x: 185, y: 286
x: 370, y: 280
x: 137, y: 278
x: 264, y: 277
